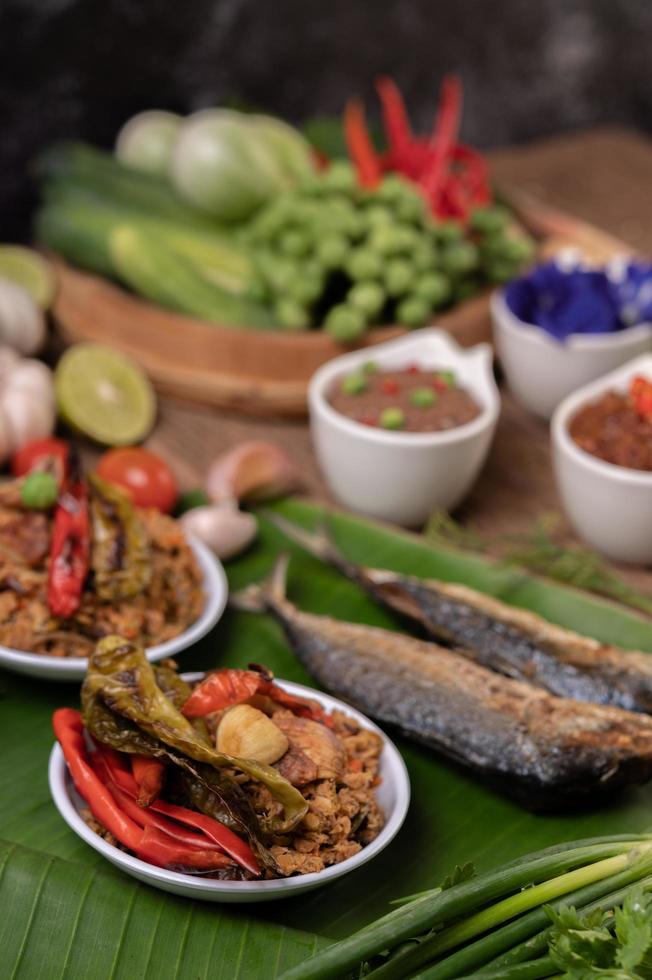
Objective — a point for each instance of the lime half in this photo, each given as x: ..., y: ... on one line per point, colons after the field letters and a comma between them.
x: 30, y: 270
x: 104, y: 395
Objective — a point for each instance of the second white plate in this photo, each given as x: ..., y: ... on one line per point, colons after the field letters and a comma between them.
x: 216, y: 591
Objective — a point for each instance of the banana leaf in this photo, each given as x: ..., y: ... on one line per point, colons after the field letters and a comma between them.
x: 67, y: 913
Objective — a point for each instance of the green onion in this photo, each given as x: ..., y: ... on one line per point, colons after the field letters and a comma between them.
x: 437, y: 908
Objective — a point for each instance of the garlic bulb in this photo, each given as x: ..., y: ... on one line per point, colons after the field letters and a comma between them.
x: 27, y: 409
x: 22, y: 324
x: 248, y: 733
x: 224, y: 528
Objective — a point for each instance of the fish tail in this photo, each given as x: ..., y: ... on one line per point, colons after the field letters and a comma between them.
x: 262, y: 595
x: 318, y: 542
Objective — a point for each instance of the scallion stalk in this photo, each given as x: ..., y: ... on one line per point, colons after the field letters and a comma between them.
x: 530, y: 932
x: 400, y: 967
x: 438, y: 908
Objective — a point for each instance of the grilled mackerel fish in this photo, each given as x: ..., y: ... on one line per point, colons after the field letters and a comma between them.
x: 545, y: 750
x: 507, y: 639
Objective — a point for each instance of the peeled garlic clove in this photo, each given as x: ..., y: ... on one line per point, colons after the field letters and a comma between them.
x: 22, y: 324
x: 224, y: 528
x: 251, y: 471
x: 249, y: 734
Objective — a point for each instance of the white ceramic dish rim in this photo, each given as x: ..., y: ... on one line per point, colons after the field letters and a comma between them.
x: 418, y: 340
x: 574, y: 341
x: 216, y: 590
x: 570, y: 404
x: 60, y: 786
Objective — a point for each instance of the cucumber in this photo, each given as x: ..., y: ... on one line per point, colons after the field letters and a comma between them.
x: 81, y: 238
x: 101, y: 175
x: 157, y: 273
x: 79, y: 228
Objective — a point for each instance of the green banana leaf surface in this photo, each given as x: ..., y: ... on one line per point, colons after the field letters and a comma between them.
x: 66, y: 913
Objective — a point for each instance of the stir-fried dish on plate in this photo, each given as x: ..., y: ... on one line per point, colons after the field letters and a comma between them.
x: 89, y: 564
x: 232, y: 777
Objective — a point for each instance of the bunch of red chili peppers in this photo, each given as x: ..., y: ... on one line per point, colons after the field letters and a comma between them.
x: 162, y: 833
x: 452, y: 176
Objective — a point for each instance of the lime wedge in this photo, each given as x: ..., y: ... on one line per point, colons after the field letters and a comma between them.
x: 104, y: 395
x: 30, y: 270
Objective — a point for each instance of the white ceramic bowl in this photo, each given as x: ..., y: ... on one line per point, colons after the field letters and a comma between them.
x: 393, y: 795
x: 216, y: 590
x: 541, y: 371
x: 609, y: 506
x: 404, y: 476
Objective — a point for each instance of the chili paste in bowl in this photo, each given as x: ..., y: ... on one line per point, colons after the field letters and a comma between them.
x: 618, y: 426
x: 411, y: 399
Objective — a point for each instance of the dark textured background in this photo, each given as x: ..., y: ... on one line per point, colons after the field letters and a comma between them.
x: 530, y: 67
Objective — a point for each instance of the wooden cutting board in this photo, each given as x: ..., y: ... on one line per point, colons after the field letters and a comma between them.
x: 260, y: 372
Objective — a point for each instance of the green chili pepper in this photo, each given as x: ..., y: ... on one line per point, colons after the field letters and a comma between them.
x: 120, y: 554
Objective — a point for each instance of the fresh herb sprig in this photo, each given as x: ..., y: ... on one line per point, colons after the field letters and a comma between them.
x: 542, y: 552
x: 613, y: 943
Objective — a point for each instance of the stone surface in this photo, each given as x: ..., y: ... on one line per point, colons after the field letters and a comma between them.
x: 79, y: 68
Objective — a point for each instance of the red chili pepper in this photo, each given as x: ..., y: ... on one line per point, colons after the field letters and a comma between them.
x: 444, y: 135
x: 224, y: 688
x: 221, y: 689
x: 390, y: 387
x: 397, y: 124
x: 149, y: 774
x: 413, y: 369
x: 144, y: 816
x: 163, y: 851
x: 361, y: 149
x: 151, y: 844
x: 217, y: 833
x: 69, y: 731
x: 70, y: 549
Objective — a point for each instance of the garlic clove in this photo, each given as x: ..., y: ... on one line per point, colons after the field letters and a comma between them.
x: 22, y: 324
x: 7, y: 446
x: 32, y: 376
x: 28, y: 417
x: 247, y: 733
x: 9, y: 360
x: 251, y: 471
x: 224, y: 528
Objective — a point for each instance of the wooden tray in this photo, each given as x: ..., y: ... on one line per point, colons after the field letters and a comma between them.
x: 258, y: 372
x: 261, y: 372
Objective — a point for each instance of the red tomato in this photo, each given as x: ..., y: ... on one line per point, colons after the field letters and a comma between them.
x: 33, y: 453
x: 147, y: 478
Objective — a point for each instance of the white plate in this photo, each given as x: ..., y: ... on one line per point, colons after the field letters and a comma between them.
x: 393, y: 794
x: 216, y: 591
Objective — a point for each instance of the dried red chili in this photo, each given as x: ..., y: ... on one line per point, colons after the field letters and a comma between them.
x: 70, y: 547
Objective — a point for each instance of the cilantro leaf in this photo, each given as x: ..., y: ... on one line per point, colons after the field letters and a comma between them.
x: 459, y: 873
x: 580, y: 945
x: 634, y: 933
